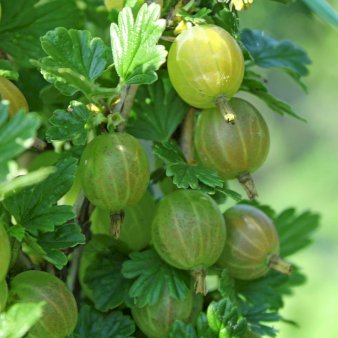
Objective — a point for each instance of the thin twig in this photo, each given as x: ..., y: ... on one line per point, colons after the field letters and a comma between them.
x: 187, y: 136
x: 127, y: 101
x: 39, y: 144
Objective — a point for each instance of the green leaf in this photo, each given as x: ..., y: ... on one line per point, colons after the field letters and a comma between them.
x: 295, y: 230
x: 157, y: 111
x: 270, y: 289
x: 185, y: 175
x: 197, y: 18
x: 75, y: 60
x: 203, y: 329
x: 182, y: 330
x: 270, y: 53
x: 35, y: 207
x: 228, y: 20
x: 134, y: 43
x: 92, y: 323
x: 24, y: 21
x: 17, y: 133
x: 324, y: 10
x: 7, y: 70
x: 104, y: 278
x: 258, y: 317
x: 10, y: 187
x: 19, y: 318
x: 152, y: 276
x: 64, y: 236
x: 254, y: 84
x: 70, y: 124
x: 224, y: 319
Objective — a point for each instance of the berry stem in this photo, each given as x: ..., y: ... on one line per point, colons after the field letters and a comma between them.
x: 200, y: 284
x: 225, y: 109
x: 278, y: 264
x: 116, y: 220
x: 248, y: 184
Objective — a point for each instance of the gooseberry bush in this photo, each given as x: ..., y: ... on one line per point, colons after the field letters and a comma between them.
x: 122, y: 127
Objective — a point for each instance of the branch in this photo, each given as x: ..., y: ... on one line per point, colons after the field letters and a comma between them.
x: 187, y: 136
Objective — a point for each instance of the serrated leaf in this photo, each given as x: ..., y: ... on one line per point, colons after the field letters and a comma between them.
x: 134, y: 43
x: 10, y: 187
x: 270, y: 289
x: 182, y: 330
x: 157, y: 111
x: 70, y: 124
x: 254, y: 84
x: 185, y: 175
x: 270, y: 53
x: 295, y: 230
x: 224, y: 319
x: 63, y: 237
x: 92, y: 323
x: 23, y: 22
x: 35, y: 207
x: 75, y: 60
x: 104, y: 278
x: 17, y: 133
x: 18, y: 319
x: 152, y: 276
x: 228, y: 20
x: 324, y: 10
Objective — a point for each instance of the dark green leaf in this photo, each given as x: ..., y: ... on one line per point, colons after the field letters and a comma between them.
x: 228, y: 20
x: 203, y: 329
x: 254, y: 84
x: 152, y: 276
x: 106, y: 282
x: 23, y: 22
x: 134, y: 42
x: 169, y: 152
x: 270, y: 53
x: 70, y: 124
x: 269, y: 289
x: 35, y: 207
x: 295, y: 230
x: 182, y: 330
x: 64, y: 236
x: 324, y: 10
x: 185, y: 175
x: 17, y: 133
x: 225, y: 320
x: 75, y: 60
x: 95, y: 324
x: 157, y: 111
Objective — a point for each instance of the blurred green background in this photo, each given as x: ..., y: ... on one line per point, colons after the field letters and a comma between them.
x: 302, y: 167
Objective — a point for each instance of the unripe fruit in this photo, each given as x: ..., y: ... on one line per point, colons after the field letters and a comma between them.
x: 9, y: 91
x: 3, y: 295
x: 252, y: 245
x: 136, y: 226
x: 59, y: 316
x: 188, y: 232
x: 236, y: 150
x: 205, y: 62
x: 114, y: 4
x: 114, y: 171
x: 155, y: 320
x: 5, y: 252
